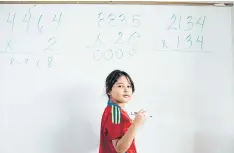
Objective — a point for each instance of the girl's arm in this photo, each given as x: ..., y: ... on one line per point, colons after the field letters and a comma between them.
x: 121, y: 145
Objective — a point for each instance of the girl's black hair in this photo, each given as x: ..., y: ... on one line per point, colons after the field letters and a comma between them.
x: 113, y: 77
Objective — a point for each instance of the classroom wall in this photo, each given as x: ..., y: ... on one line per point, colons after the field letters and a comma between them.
x: 233, y: 32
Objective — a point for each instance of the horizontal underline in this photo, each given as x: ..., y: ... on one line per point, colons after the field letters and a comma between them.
x: 187, y: 51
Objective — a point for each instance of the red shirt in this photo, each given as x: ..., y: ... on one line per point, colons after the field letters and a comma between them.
x: 115, y: 123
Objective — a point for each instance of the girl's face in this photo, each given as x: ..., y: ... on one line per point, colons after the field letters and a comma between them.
x: 121, y: 91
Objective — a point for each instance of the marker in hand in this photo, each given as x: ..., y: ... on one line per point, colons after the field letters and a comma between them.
x: 134, y: 113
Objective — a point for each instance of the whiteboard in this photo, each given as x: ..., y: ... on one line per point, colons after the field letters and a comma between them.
x: 54, y: 60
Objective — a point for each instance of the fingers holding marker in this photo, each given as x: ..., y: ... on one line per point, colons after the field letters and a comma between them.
x: 141, y: 111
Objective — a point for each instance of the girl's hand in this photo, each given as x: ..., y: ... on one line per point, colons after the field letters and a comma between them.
x: 140, y: 118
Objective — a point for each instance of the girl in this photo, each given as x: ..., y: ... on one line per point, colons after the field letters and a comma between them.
x: 117, y: 130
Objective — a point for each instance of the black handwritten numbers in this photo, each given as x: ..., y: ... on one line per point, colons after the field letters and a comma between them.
x: 51, y: 42
x: 122, y: 18
x: 39, y: 25
x: 97, y: 54
x: 135, y: 20
x: 108, y: 54
x: 100, y: 19
x: 111, y: 20
x: 98, y: 40
x: 27, y: 18
x: 119, y: 39
x: 115, y: 21
x: 119, y: 53
x: 26, y: 61
x: 133, y: 37
x: 132, y: 52
x: 11, y: 20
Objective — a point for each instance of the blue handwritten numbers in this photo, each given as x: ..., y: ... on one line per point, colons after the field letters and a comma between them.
x: 39, y: 24
x: 200, y: 40
x: 27, y: 18
x: 186, y: 33
x: 189, y: 23
x: 51, y: 42
x: 201, y: 22
x: 11, y: 20
x: 26, y: 61
x: 30, y: 31
x: 186, y: 23
x: 50, y: 59
x: 8, y: 45
x: 57, y: 19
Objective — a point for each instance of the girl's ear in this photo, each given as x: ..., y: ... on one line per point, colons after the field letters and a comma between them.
x: 109, y: 93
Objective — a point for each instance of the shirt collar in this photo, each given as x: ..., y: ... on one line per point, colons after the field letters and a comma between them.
x: 110, y: 103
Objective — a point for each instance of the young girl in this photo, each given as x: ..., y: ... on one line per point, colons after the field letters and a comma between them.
x: 117, y: 130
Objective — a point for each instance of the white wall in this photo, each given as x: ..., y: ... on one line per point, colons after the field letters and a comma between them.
x: 233, y: 31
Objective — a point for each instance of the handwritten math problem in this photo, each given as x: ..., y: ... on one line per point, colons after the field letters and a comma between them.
x: 186, y: 23
x: 26, y: 20
x: 187, y: 42
x: 108, y: 34
x: 185, y: 38
x: 112, y: 20
x: 45, y: 62
x: 18, y: 23
x: 123, y: 42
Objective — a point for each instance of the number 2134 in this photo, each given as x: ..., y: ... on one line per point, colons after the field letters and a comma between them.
x: 190, y: 22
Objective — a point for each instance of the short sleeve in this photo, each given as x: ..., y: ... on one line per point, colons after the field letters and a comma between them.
x: 114, y: 124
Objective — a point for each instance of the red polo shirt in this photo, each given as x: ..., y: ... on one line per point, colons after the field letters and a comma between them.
x: 115, y: 123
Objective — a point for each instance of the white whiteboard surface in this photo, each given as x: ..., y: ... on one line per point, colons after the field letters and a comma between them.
x: 53, y: 70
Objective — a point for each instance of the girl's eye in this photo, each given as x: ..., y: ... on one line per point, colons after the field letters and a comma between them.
x: 121, y: 86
